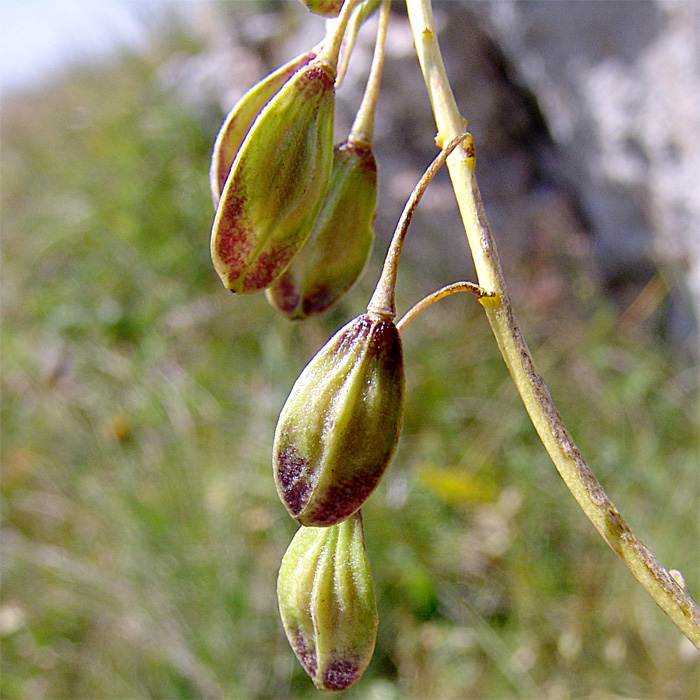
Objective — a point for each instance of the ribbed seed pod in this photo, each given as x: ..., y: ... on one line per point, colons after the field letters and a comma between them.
x: 340, y: 241
x: 325, y: 8
x: 239, y: 120
x: 340, y: 425
x: 327, y: 605
x: 277, y: 181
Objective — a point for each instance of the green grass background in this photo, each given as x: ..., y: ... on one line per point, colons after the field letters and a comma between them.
x: 142, y: 532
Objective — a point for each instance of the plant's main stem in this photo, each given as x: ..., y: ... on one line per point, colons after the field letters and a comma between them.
x: 673, y: 598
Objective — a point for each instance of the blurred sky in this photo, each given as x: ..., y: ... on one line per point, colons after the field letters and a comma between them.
x: 37, y: 37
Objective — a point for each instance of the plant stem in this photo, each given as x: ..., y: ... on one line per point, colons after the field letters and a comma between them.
x: 382, y: 304
x: 441, y: 293
x: 362, y: 131
x: 672, y: 598
x: 331, y: 47
x: 359, y: 15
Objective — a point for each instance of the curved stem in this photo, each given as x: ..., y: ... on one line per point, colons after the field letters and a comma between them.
x: 672, y: 597
x: 382, y: 302
x: 441, y: 293
x: 363, y: 127
x: 359, y: 15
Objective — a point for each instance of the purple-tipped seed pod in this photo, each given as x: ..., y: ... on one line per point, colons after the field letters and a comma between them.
x: 239, y: 120
x: 336, y: 251
x: 327, y: 605
x: 340, y: 425
x: 277, y: 181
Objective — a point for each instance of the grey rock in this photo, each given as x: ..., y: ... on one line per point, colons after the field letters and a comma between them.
x: 618, y: 84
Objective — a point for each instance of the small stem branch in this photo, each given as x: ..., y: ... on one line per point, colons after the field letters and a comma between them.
x: 441, y: 293
x: 382, y: 301
x: 359, y: 15
x: 362, y: 131
x: 673, y: 598
x: 331, y: 47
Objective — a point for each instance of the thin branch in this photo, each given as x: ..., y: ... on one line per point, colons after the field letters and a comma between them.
x: 441, y: 293
x: 363, y: 127
x: 382, y: 301
x: 336, y: 31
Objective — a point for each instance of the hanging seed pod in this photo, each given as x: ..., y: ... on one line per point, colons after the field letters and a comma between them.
x: 340, y: 425
x: 241, y: 117
x: 326, y: 601
x: 277, y: 181
x: 325, y: 8
x: 336, y: 251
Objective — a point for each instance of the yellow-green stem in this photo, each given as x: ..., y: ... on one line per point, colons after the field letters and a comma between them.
x: 673, y: 598
x: 331, y: 47
x: 382, y: 302
x: 441, y: 293
x: 359, y: 15
x: 362, y: 131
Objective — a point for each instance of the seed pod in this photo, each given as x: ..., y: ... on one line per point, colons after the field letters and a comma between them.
x: 277, y: 181
x: 336, y: 251
x: 326, y: 601
x: 241, y: 117
x: 340, y: 425
x: 325, y: 8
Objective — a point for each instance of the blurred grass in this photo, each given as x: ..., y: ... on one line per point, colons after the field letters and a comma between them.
x: 142, y: 533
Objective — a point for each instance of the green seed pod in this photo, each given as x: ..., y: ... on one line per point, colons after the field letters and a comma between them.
x: 325, y: 8
x: 240, y: 119
x: 340, y: 425
x: 336, y: 251
x: 277, y: 181
x: 326, y: 601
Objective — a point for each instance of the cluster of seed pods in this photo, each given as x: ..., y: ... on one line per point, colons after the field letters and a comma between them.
x: 294, y: 217
x: 294, y: 214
